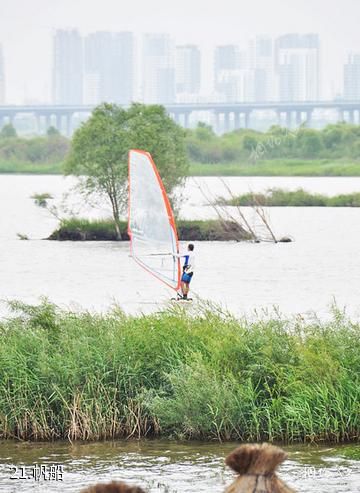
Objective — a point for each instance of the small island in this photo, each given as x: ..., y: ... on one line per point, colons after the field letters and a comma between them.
x: 76, y: 229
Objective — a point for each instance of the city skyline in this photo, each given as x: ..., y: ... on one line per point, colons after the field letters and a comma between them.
x: 101, y: 67
x: 28, y: 65
x: 260, y: 71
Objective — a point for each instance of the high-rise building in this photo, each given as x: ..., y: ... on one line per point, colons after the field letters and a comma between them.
x: 109, y: 67
x: 68, y: 67
x: 261, y: 63
x: 188, y: 69
x: 226, y: 60
x: 352, y: 78
x: 229, y: 63
x: 297, y: 66
x: 2, y: 77
x: 158, y: 81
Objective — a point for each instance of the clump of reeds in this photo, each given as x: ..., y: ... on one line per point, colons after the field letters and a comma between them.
x: 256, y: 465
x: 113, y: 487
x: 79, y: 376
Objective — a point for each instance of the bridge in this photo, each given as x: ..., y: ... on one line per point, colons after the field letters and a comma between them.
x: 227, y: 116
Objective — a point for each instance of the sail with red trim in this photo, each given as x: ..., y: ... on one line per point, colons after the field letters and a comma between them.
x: 151, y: 224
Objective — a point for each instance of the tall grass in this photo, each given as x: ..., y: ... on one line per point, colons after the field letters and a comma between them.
x: 173, y: 374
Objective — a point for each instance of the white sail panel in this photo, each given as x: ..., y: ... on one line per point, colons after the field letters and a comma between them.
x: 151, y: 225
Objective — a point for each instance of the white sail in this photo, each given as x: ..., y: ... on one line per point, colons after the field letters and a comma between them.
x: 151, y: 224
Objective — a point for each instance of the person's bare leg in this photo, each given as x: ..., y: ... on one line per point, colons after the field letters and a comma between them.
x: 183, y: 288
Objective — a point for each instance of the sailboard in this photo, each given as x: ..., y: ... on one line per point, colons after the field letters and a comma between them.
x: 151, y: 223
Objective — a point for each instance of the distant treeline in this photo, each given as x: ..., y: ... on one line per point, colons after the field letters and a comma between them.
x: 51, y: 148
x: 333, y: 142
x: 337, y: 141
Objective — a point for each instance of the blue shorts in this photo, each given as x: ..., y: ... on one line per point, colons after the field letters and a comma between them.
x: 186, y: 277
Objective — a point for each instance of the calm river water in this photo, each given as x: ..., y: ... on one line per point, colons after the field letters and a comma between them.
x: 322, y: 264
x: 168, y: 467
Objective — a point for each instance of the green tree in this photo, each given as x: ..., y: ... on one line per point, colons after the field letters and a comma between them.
x: 99, y: 150
x: 249, y: 142
x: 204, y: 132
x: 52, y: 132
x: 309, y: 143
x: 8, y: 131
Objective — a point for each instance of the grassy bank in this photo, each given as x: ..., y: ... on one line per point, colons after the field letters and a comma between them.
x: 30, y: 168
x: 77, y: 229
x: 210, y: 376
x: 278, y: 167
x: 278, y: 197
x: 273, y: 167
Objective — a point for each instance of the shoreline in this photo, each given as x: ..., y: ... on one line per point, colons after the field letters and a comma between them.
x: 266, y: 168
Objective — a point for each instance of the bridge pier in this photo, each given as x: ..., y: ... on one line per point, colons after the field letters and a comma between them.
x: 58, y: 122
x: 68, y: 118
x: 38, y: 123
x: 351, y: 116
x: 340, y: 115
x: 226, y: 122
x: 175, y: 117
x: 47, y: 122
x: 288, y: 119
x: 217, y: 122
x: 246, y: 119
x: 309, y: 118
x: 186, y: 120
x: 237, y: 123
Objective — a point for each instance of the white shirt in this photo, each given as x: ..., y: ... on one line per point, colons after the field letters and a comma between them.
x: 189, y: 262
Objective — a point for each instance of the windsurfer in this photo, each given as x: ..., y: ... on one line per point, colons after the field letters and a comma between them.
x: 188, y: 270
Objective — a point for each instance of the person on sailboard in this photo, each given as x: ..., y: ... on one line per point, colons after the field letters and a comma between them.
x: 188, y: 270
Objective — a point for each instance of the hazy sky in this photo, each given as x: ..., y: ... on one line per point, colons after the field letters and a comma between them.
x: 26, y: 28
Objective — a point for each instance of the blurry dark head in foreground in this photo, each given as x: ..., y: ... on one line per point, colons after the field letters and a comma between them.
x: 256, y: 465
x: 113, y: 487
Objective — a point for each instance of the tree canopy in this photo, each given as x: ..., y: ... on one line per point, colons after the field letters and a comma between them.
x: 8, y: 131
x: 99, y: 150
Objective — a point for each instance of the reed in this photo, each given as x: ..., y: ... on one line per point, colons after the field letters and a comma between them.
x: 206, y: 375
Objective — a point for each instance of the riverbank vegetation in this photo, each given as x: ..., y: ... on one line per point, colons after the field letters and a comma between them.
x: 78, y: 229
x: 332, y: 151
x: 278, y: 167
x: 294, y: 198
x: 335, y: 141
x: 32, y: 155
x: 174, y: 374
